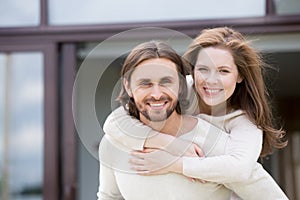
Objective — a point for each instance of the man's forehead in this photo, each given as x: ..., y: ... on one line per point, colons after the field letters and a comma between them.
x: 154, y: 71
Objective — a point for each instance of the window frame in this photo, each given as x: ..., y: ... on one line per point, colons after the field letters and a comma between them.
x: 51, y: 126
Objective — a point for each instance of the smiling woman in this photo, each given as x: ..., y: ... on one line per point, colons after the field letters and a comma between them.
x: 216, y: 76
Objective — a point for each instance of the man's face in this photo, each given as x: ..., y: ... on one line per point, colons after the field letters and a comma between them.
x: 154, y: 87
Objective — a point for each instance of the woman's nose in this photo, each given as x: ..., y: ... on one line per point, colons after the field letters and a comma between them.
x: 212, y: 78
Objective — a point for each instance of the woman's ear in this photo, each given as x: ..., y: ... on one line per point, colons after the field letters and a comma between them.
x: 239, y: 79
x: 127, y: 87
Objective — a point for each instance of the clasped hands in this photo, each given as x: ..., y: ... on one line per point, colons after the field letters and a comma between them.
x: 155, y: 161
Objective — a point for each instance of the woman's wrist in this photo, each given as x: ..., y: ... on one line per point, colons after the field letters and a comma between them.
x: 177, y: 166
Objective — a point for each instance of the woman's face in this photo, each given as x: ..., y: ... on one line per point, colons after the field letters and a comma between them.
x: 216, y: 75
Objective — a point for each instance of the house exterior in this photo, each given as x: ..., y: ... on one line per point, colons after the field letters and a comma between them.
x: 59, y: 75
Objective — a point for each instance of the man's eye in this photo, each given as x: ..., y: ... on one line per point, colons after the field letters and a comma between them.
x: 165, y: 82
x: 145, y: 83
x: 202, y: 69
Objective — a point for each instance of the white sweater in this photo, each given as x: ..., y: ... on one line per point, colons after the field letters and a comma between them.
x: 118, y: 181
x: 232, y: 146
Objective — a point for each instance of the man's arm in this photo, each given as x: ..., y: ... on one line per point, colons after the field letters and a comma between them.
x: 108, y: 187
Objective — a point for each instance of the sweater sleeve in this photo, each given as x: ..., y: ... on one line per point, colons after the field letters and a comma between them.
x: 108, y: 188
x: 260, y: 185
x: 125, y: 129
x: 242, y: 150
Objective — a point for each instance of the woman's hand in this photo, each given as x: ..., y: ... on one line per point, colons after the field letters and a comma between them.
x: 157, y: 161
x: 154, y: 161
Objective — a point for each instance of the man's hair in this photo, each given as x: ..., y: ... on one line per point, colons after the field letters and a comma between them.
x: 146, y: 51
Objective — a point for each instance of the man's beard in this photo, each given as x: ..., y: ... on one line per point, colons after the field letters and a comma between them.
x: 156, y: 115
x: 160, y: 117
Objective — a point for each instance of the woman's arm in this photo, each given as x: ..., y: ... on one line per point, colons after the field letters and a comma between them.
x: 242, y: 150
x: 126, y: 129
x: 255, y: 186
x: 229, y: 157
x: 133, y: 134
x: 260, y: 185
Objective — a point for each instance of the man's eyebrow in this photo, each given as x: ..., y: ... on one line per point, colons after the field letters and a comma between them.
x: 167, y: 78
x: 143, y: 80
x: 200, y: 65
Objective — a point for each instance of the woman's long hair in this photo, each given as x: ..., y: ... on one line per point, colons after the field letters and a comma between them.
x: 251, y: 94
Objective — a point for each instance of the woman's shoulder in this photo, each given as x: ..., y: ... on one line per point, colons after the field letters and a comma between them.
x: 223, y: 118
x: 239, y: 119
x: 233, y: 119
x: 233, y: 115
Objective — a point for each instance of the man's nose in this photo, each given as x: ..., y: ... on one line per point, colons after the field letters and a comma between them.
x: 156, y: 92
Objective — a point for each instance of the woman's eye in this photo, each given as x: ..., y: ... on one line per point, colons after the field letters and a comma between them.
x: 224, y: 71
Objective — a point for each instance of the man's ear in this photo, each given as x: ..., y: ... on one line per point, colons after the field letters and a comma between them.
x: 127, y: 87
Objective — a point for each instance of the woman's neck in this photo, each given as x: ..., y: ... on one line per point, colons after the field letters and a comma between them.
x: 218, y: 110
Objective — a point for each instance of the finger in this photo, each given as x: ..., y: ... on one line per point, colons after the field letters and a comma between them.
x: 191, y: 179
x: 144, y: 173
x: 148, y: 150
x: 138, y: 154
x: 136, y: 161
x: 202, y: 181
x: 139, y: 168
x: 149, y: 172
x: 199, y: 180
x: 199, y: 151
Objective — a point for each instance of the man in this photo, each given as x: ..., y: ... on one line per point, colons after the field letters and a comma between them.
x: 153, y: 91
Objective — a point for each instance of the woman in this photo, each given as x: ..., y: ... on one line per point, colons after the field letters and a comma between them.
x: 228, y: 79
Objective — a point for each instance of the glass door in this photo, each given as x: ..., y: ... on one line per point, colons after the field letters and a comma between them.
x: 22, y: 126
x: 28, y: 165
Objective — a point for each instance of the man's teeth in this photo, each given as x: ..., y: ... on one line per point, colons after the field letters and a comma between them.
x: 156, y: 104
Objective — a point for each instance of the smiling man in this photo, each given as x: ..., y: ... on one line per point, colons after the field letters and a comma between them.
x: 154, y: 91
x: 155, y: 95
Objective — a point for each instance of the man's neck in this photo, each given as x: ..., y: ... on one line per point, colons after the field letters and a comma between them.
x: 175, y: 125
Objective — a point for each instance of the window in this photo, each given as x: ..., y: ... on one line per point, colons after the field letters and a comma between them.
x: 19, y: 13
x: 287, y: 7
x: 21, y: 126
x: 106, y: 11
